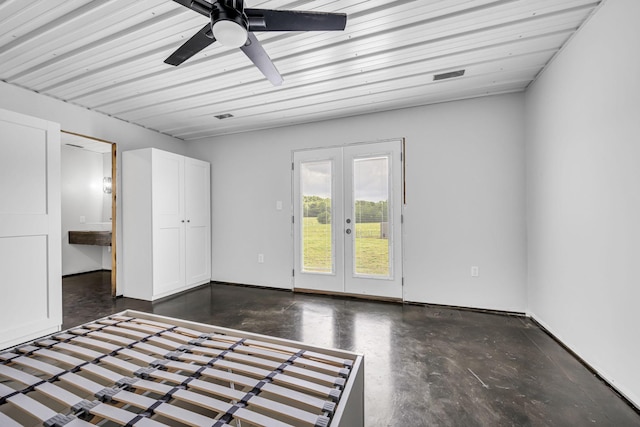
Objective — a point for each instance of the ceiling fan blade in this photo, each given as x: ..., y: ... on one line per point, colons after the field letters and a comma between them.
x: 185, y: 3
x: 256, y: 53
x: 293, y: 20
x: 195, y: 44
x: 201, y: 6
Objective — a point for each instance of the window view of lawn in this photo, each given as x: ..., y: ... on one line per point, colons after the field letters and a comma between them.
x: 372, y: 251
x: 370, y: 214
x: 317, y: 246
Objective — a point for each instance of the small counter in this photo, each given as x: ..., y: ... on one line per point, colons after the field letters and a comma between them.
x: 98, y: 238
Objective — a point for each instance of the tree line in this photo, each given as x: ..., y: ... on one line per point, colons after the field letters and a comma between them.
x: 366, y: 211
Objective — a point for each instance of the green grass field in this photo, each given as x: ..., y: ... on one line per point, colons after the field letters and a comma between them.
x: 372, y: 253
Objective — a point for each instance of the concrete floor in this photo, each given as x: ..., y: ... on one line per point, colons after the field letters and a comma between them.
x: 423, y: 365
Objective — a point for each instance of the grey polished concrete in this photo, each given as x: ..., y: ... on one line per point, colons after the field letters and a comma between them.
x: 424, y: 366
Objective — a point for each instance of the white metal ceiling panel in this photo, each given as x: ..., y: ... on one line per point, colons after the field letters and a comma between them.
x: 187, y: 95
x: 108, y: 56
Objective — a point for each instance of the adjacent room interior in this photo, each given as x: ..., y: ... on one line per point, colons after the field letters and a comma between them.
x: 448, y: 188
x: 87, y: 206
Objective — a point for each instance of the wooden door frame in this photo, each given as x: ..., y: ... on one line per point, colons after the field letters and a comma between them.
x: 114, y: 267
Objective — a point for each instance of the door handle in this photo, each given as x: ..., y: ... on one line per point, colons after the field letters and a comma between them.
x: 348, y: 231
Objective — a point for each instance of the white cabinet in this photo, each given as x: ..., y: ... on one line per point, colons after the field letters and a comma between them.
x: 30, y: 248
x: 166, y: 223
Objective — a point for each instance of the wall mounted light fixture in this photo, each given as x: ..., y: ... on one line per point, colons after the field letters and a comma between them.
x: 106, y: 184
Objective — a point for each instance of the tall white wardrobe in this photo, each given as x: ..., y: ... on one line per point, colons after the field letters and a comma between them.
x: 166, y: 223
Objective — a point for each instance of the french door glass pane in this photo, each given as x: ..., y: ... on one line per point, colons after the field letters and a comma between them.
x: 371, y: 216
x: 317, y: 233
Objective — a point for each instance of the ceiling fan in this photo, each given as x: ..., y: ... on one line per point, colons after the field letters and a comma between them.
x: 233, y: 25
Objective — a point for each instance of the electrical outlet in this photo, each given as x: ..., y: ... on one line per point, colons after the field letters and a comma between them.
x: 475, y: 271
x: 260, y: 258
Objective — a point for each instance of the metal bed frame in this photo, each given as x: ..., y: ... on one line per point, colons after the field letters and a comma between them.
x: 139, y: 369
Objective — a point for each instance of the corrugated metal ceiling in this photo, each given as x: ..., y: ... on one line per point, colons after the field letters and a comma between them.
x: 107, y: 55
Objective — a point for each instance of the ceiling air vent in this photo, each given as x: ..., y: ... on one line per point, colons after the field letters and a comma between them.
x: 223, y: 116
x: 448, y: 75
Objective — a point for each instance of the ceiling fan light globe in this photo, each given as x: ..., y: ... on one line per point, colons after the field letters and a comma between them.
x: 229, y: 33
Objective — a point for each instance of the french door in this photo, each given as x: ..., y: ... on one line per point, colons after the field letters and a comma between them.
x: 347, y: 219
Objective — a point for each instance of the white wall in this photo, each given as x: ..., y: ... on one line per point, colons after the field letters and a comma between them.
x: 80, y: 120
x: 583, y: 153
x: 465, y: 199
x: 81, y: 188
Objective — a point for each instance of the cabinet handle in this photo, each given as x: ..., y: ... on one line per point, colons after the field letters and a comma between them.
x: 188, y: 220
x: 182, y: 220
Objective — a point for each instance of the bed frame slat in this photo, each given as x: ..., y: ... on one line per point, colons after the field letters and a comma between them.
x: 32, y: 406
x: 5, y: 421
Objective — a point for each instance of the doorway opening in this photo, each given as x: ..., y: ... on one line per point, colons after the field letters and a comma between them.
x: 88, y: 191
x: 348, y: 219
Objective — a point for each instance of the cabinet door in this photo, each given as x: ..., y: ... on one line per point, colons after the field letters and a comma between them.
x: 31, y: 284
x: 168, y: 223
x: 197, y: 210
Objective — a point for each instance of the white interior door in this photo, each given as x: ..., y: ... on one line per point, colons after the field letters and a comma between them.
x: 30, y: 246
x: 347, y: 219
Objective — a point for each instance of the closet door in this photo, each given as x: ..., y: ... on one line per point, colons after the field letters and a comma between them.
x: 30, y: 260
x: 198, y: 220
x: 168, y: 216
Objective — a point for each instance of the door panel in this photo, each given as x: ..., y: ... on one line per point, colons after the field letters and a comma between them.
x: 30, y: 248
x: 197, y: 213
x: 168, y: 221
x: 23, y: 164
x: 319, y: 258
x: 168, y: 266
x: 373, y: 177
x: 347, y: 204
